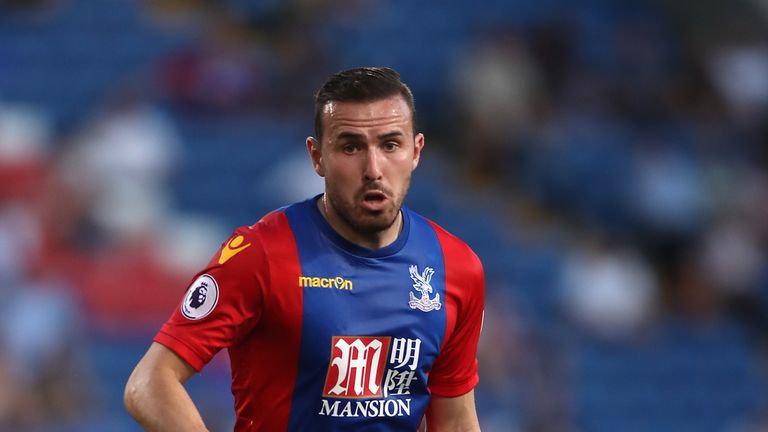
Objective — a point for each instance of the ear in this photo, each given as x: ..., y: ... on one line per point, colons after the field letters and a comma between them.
x: 418, y: 146
x: 313, y: 148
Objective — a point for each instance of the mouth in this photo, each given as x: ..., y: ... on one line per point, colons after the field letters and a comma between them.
x: 374, y: 200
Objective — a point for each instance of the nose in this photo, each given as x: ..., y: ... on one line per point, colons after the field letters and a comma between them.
x: 372, y: 165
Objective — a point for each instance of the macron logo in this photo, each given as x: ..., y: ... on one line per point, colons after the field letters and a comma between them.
x: 337, y: 282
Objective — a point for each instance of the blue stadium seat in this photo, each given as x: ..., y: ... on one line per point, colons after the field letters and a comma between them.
x: 678, y: 379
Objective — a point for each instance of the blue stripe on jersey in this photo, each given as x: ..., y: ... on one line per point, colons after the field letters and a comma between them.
x: 376, y: 305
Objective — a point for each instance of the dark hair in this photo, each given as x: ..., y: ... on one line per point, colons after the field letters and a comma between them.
x: 363, y: 84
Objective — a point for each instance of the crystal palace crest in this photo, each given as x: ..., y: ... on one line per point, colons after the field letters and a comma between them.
x: 422, y: 285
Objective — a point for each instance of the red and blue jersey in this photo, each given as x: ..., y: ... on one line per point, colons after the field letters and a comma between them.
x: 323, y: 334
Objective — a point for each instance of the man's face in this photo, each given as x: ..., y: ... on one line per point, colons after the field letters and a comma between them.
x: 367, y: 155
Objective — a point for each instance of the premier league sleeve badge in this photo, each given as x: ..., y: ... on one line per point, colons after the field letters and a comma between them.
x: 201, y: 298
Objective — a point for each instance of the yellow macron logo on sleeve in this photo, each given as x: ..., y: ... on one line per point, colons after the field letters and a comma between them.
x: 232, y: 248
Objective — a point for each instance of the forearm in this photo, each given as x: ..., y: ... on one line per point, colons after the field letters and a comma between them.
x: 454, y: 422
x: 452, y: 414
x: 160, y: 403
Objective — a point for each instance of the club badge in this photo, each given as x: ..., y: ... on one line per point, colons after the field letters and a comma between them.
x: 421, y: 284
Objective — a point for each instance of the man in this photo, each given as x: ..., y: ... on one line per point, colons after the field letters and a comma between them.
x: 343, y: 312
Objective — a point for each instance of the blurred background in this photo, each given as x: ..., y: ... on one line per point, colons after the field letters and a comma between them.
x: 607, y: 160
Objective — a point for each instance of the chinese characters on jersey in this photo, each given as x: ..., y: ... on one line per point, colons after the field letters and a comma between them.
x: 365, y: 367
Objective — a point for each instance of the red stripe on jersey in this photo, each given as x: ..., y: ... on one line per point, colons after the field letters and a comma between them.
x: 265, y: 363
x: 455, y: 370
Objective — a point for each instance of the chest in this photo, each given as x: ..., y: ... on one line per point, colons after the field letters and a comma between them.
x: 388, y: 299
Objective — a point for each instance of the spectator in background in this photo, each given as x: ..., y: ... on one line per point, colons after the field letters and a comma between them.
x: 609, y: 290
x: 43, y: 379
x: 670, y: 202
x: 300, y: 59
x: 740, y: 74
x: 499, y: 86
x: 227, y: 71
x: 523, y: 385
x: 119, y: 166
x: 121, y: 163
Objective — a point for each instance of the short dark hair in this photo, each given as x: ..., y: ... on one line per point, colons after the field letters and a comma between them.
x: 363, y: 84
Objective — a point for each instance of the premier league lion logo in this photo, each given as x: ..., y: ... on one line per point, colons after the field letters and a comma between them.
x: 201, y: 298
x: 198, y: 296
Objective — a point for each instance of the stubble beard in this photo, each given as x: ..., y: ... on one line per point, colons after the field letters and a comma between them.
x: 363, y: 221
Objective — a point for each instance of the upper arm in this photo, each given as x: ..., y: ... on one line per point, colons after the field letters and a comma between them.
x: 454, y: 371
x: 222, y: 304
x: 155, y: 394
x: 158, y: 364
x: 452, y: 414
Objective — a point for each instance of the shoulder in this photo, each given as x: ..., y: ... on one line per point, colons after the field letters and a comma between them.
x: 273, y: 230
x: 275, y: 220
x: 464, y: 276
x: 456, y: 252
x: 249, y: 241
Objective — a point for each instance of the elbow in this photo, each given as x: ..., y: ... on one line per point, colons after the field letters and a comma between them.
x: 131, y: 397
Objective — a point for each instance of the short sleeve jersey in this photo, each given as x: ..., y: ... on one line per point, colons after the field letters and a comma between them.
x: 323, y: 334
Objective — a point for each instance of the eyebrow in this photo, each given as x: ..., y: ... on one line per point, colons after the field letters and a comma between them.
x: 355, y: 135
x: 388, y: 135
x: 350, y: 135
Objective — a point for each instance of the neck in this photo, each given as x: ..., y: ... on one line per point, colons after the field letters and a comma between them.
x: 371, y: 240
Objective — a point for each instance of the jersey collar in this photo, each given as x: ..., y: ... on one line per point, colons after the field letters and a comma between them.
x: 352, y: 248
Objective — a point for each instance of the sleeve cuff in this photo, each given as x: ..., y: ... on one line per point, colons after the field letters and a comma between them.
x: 453, y: 389
x: 181, y: 349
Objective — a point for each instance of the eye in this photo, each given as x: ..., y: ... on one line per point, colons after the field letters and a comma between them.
x: 350, y: 148
x: 391, y: 146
